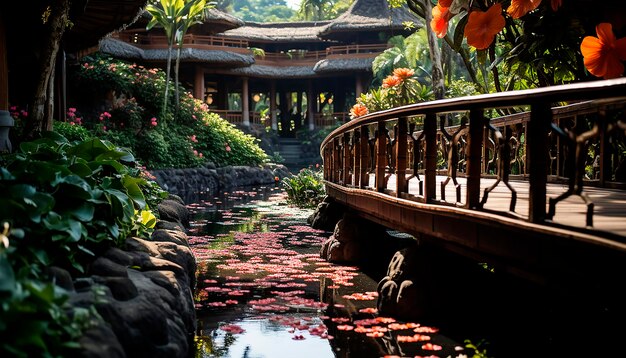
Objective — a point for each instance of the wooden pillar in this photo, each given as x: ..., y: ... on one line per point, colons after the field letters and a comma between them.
x: 430, y: 157
x: 273, y: 105
x: 476, y: 131
x: 4, y: 67
x: 537, y: 139
x: 245, y: 100
x: 401, y: 156
x: 358, y: 86
x: 310, y: 103
x: 198, y: 83
x: 61, y: 87
x: 335, y: 174
x: 381, y: 156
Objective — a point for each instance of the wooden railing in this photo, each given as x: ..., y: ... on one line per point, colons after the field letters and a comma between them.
x: 190, y: 40
x: 329, y: 120
x: 236, y: 117
x: 356, y: 49
x: 582, y: 144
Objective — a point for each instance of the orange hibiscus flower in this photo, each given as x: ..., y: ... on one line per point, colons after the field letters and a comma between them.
x: 445, y: 3
x: 391, y: 81
x: 603, y: 55
x: 556, y: 4
x: 439, y: 23
x: 358, y: 110
x: 403, y: 73
x: 483, y: 26
x: 519, y: 8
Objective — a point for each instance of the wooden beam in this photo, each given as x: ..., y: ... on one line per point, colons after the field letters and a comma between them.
x: 430, y: 157
x: 381, y: 156
x: 4, y: 68
x: 540, y: 120
x: 401, y: 156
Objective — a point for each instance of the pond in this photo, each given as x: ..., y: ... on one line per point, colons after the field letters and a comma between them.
x: 263, y: 291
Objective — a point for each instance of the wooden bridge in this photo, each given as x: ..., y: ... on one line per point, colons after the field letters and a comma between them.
x: 539, y: 193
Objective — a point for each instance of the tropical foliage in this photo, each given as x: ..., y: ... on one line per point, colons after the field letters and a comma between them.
x: 131, y: 118
x: 62, y: 203
x: 305, y: 189
x: 175, y: 17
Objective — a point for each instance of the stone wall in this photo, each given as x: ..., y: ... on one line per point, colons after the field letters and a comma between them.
x: 210, y: 179
x: 143, y: 292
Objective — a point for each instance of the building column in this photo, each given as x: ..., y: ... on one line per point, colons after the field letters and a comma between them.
x: 198, y: 84
x: 245, y: 100
x: 358, y: 86
x: 273, y: 105
x: 310, y: 103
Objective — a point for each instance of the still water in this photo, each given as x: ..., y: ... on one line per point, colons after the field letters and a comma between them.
x: 264, y: 292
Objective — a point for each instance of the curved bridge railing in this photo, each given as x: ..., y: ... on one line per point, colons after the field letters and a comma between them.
x: 552, y: 168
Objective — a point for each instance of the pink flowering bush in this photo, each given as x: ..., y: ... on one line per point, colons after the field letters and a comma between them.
x: 132, y: 118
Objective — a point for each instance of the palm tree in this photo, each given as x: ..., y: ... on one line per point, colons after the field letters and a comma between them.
x: 175, y: 16
x: 312, y: 10
x: 195, y: 12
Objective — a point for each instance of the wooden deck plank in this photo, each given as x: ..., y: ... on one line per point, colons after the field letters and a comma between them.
x: 609, y: 211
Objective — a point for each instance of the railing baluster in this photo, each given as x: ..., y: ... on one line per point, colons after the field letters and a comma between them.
x: 476, y: 132
x: 357, y: 157
x: 365, y: 152
x: 381, y: 144
x: 401, y: 156
x: 336, y: 168
x: 537, y: 142
x: 430, y: 158
x: 346, y: 160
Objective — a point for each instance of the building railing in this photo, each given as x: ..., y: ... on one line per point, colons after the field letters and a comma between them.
x: 583, y: 143
x: 150, y: 41
x: 328, y: 120
x: 236, y: 117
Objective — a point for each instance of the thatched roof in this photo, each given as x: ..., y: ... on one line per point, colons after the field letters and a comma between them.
x: 264, y: 71
x: 348, y: 64
x: 94, y: 19
x: 125, y: 50
x: 305, y: 31
x: 369, y: 15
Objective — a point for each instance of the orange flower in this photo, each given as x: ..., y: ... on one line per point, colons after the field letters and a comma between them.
x: 358, y: 110
x: 603, y: 55
x: 439, y: 23
x: 482, y: 27
x: 403, y: 73
x: 445, y: 3
x: 391, y: 81
x: 556, y: 4
x: 519, y: 8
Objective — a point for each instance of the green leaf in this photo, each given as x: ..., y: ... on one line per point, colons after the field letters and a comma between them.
x: 134, y: 191
x: 81, y: 169
x: 22, y: 191
x: 84, y: 212
x: 7, y: 276
x: 459, y: 32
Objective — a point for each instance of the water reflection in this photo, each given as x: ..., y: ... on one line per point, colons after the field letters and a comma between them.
x: 264, y: 292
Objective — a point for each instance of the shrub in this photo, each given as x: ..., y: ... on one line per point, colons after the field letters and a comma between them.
x: 60, y: 204
x: 305, y: 189
x: 72, y: 131
x: 186, y: 137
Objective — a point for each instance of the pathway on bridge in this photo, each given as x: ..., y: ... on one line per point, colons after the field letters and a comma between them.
x: 609, y: 212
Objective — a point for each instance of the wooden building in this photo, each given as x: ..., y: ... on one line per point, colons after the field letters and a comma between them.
x: 304, y: 74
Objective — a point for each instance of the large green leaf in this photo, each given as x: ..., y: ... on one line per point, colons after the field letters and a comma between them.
x: 134, y: 191
x: 7, y: 276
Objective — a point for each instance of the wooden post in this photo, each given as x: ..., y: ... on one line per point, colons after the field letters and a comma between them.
x: 198, y: 84
x: 476, y: 127
x: 401, y: 156
x: 430, y: 157
x: 357, y: 157
x: 310, y: 103
x: 365, y: 157
x: 540, y: 119
x: 245, y: 100
x: 381, y: 154
x: 273, y: 105
x: 347, y: 179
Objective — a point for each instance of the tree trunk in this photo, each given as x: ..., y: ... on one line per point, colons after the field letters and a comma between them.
x: 435, y: 53
x: 40, y: 117
x: 176, y: 68
x: 167, y: 78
